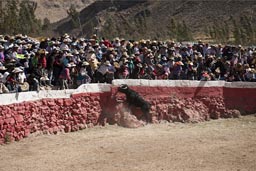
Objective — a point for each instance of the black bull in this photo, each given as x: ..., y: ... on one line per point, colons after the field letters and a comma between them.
x: 134, y: 99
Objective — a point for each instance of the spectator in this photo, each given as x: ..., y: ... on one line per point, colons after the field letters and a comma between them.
x: 65, y: 77
x: 59, y: 61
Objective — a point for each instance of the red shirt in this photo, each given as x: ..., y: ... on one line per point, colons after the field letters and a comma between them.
x: 42, y: 61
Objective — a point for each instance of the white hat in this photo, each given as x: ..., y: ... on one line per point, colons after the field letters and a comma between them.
x: 3, y: 40
x: 69, y: 65
x: 85, y: 63
x: 75, y: 52
x: 3, y: 68
x: 69, y: 55
x: 65, y: 48
x: 73, y: 65
x: 17, y: 70
x: 107, y: 63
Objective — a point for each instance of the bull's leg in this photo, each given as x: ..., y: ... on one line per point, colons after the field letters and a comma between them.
x: 145, y: 109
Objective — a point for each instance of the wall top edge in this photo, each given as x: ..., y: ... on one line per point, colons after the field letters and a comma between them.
x: 183, y: 83
x: 12, y: 98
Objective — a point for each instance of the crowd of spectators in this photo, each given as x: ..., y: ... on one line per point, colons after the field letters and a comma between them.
x: 27, y: 64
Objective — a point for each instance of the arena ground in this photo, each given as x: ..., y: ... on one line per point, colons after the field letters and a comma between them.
x: 228, y: 144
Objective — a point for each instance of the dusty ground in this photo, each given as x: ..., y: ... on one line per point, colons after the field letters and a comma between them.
x: 216, y: 145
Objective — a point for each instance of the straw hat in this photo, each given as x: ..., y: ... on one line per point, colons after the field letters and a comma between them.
x: 42, y: 51
x: 116, y: 65
x: 139, y: 65
x: 217, y: 70
x: 1, y: 47
x: 85, y: 63
x: 107, y: 63
x: 3, y: 68
x: 17, y: 70
x: 24, y: 86
x: 75, y: 52
x: 72, y: 64
x: 69, y: 65
x: 81, y: 51
x: 69, y: 55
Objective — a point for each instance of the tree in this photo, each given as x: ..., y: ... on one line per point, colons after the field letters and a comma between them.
x: 173, y: 29
x: 185, y: 32
x: 2, y: 15
x: 75, y: 17
x: 179, y: 30
x: 46, y: 24
x: 74, y: 14
x: 11, y: 17
x: 28, y: 23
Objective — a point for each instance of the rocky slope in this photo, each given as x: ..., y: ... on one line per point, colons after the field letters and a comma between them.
x: 152, y: 19
x: 55, y: 10
x: 145, y: 18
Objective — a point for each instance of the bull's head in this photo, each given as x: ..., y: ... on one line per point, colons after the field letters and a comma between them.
x: 123, y: 88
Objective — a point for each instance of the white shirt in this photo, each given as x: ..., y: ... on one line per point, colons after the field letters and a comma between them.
x: 103, y: 69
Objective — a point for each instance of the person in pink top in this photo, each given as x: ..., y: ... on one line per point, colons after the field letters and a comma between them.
x: 65, y: 77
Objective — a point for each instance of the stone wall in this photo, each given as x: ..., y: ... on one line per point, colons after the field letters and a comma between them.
x: 51, y: 112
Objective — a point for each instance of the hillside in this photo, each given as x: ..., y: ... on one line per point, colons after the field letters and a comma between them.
x: 153, y: 19
x: 56, y: 10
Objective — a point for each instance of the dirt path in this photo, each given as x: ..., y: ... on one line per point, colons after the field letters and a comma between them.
x: 216, y: 145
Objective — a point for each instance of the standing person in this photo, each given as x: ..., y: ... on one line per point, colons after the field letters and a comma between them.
x: 177, y: 69
x: 50, y: 65
x: 2, y: 56
x: 3, y: 88
x: 65, y: 77
x: 110, y: 72
x: 57, y: 68
x: 83, y: 76
x: 101, y: 72
x: 73, y: 74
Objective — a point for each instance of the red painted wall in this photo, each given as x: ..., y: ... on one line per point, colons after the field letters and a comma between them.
x: 176, y: 104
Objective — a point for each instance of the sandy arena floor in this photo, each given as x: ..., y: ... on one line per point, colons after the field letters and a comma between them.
x: 215, y: 145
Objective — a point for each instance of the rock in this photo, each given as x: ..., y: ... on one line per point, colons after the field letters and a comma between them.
x: 59, y: 102
x: 68, y: 102
x: 19, y: 118
x: 233, y: 113
x: 67, y: 128
x: 9, y: 121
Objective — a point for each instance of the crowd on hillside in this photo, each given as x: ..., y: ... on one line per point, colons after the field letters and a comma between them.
x: 27, y: 64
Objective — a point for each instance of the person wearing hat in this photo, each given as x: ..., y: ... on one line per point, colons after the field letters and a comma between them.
x: 138, y: 71
x: 2, y: 68
x: 3, y: 88
x: 249, y: 74
x: 110, y: 74
x: 2, y: 56
x: 42, y: 61
x: 104, y: 69
x: 83, y: 76
x: 73, y: 74
x: 191, y: 71
x: 65, y: 77
x: 66, y: 58
x: 15, y: 50
x: 64, y: 45
x: 177, y: 70
x: 12, y: 82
